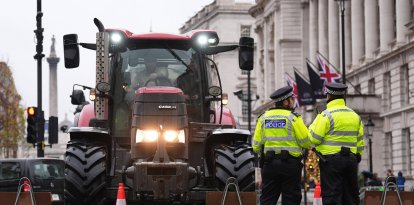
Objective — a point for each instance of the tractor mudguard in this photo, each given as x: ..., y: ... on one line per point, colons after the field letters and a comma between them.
x: 226, y: 119
x: 85, y: 116
x: 96, y: 133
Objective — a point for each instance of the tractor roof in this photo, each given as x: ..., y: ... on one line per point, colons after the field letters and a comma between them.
x: 160, y: 36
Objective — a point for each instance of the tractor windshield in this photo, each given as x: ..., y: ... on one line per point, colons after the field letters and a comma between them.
x: 161, y: 67
x: 136, y: 68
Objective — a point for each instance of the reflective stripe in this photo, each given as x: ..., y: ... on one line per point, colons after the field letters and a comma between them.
x: 360, y: 138
x: 278, y: 149
x: 333, y: 143
x: 342, y: 110
x: 302, y: 141
x: 360, y: 149
x: 345, y: 133
x: 316, y: 136
x: 256, y: 142
x: 279, y: 138
x: 331, y: 121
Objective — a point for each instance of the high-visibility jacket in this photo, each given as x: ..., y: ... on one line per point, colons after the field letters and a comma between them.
x: 337, y: 126
x: 281, y: 129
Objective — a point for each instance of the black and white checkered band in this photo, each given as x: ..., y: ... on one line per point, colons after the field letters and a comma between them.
x: 284, y: 97
x: 333, y: 92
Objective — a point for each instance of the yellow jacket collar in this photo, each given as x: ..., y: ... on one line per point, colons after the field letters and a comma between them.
x: 335, y: 103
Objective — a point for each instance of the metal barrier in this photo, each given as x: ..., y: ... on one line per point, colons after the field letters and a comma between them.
x: 24, y: 181
x: 231, y: 181
x: 390, y: 185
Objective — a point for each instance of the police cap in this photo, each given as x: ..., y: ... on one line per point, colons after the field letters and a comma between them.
x: 282, y: 94
x: 336, y: 88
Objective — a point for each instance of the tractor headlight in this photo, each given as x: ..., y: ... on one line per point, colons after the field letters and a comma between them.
x: 146, y: 136
x: 116, y: 38
x: 202, y: 40
x: 206, y: 38
x: 174, y: 136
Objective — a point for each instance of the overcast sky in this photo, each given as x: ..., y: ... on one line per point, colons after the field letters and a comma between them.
x: 17, y: 39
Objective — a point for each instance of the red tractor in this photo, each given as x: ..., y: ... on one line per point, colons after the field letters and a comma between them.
x: 157, y: 122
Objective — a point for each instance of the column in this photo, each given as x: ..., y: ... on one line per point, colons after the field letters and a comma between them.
x: 348, y: 39
x: 323, y: 27
x: 386, y: 16
x: 357, y: 26
x: 266, y: 58
x: 403, y: 11
x: 372, y: 28
x: 260, y: 62
x: 333, y: 35
x: 313, y: 30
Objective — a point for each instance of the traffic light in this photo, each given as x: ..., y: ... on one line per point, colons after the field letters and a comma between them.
x: 53, y: 130
x: 31, y: 125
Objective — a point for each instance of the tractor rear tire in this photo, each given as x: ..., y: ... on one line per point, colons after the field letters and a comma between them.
x: 85, y: 173
x: 235, y: 161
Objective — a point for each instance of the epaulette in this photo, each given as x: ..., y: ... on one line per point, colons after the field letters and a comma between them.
x: 296, y: 114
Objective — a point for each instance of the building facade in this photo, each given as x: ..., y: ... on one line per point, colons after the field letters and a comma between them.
x: 379, y: 59
x: 231, y: 20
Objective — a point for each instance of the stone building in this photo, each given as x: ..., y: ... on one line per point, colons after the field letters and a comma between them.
x: 231, y: 20
x: 379, y: 58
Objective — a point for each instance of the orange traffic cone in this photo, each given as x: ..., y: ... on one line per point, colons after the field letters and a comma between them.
x: 317, y: 200
x: 120, y: 199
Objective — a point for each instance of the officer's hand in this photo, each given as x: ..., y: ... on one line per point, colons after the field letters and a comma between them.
x: 358, y: 156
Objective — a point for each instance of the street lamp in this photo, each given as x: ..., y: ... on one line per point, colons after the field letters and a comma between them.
x: 370, y: 129
x: 341, y: 4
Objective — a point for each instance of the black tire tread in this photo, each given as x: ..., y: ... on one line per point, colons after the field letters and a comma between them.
x: 237, y: 162
x: 85, y: 170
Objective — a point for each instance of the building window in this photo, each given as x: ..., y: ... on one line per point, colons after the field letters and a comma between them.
x: 357, y: 89
x: 387, y: 91
x: 407, y: 149
x: 395, y: 19
x: 388, y: 151
x: 245, y: 31
x: 245, y: 106
x: 405, y: 88
x: 371, y: 86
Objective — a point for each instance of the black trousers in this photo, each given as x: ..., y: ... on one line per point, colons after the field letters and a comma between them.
x: 339, y: 181
x: 281, y: 177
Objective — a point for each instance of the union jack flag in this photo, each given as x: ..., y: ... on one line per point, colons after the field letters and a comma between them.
x: 292, y: 83
x: 327, y: 71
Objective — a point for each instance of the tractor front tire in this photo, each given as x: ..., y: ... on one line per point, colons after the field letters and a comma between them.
x: 85, y: 172
x: 235, y: 161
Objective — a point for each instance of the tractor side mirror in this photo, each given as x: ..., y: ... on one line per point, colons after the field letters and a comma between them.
x: 71, y: 50
x: 246, y: 53
x: 77, y: 97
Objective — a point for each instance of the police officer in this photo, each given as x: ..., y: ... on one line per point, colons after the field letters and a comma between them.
x: 337, y: 133
x: 282, y: 134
